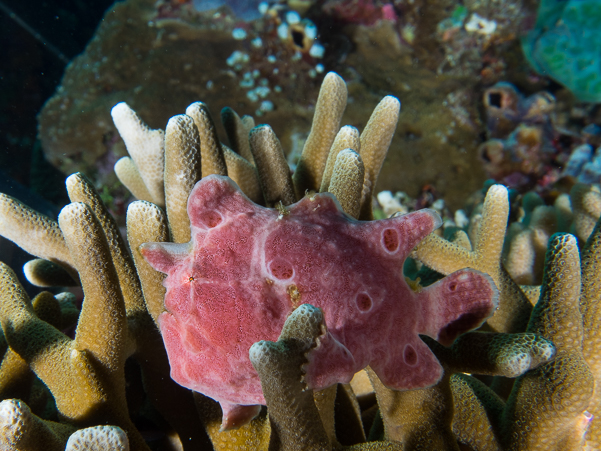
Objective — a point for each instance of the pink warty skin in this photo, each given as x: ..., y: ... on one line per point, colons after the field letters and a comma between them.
x: 248, y: 267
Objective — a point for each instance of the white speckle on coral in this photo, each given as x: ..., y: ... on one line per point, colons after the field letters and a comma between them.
x: 252, y: 96
x: 448, y: 223
x: 520, y: 363
x: 266, y: 106
x: 317, y: 50
x: 310, y: 30
x: 262, y: 91
x: 292, y: 17
x: 438, y: 205
x: 480, y: 25
x: 283, y: 31
x: 257, y: 43
x: 461, y: 219
x: 247, y: 80
x: 239, y: 34
x: 256, y: 352
x: 237, y: 57
x: 390, y: 204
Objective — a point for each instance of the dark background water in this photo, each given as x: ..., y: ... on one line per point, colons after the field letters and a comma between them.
x: 29, y: 74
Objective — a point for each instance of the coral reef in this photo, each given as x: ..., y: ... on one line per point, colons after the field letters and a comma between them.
x: 584, y: 164
x: 545, y: 337
x: 520, y: 150
x: 162, y: 44
x: 539, y: 142
x: 186, y: 54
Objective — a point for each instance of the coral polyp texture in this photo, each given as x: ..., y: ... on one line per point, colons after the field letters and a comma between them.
x: 251, y: 266
x: 278, y: 292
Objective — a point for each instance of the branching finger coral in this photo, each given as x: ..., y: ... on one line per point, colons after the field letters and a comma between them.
x: 589, y: 306
x: 494, y: 354
x: 146, y: 222
x: 328, y: 113
x: 89, y: 368
x: 586, y: 203
x: 20, y: 429
x: 237, y: 129
x: 19, y: 223
x: 313, y: 173
x: 446, y: 257
x: 142, y: 172
x: 282, y: 361
x: 296, y: 420
x: 329, y: 312
x: 101, y: 284
x: 525, y: 256
x: 274, y: 174
x: 547, y: 406
x: 435, y: 424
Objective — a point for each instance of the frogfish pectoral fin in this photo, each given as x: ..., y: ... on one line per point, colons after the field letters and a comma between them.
x: 458, y: 303
x: 329, y: 363
x: 410, y: 365
x: 164, y: 256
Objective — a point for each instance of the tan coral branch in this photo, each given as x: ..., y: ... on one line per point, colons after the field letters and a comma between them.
x: 326, y: 121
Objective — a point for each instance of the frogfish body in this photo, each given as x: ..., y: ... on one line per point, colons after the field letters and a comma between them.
x: 248, y: 267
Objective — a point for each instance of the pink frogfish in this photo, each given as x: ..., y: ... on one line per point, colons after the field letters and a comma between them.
x: 247, y: 268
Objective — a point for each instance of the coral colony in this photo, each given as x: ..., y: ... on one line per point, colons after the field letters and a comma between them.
x: 281, y: 288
